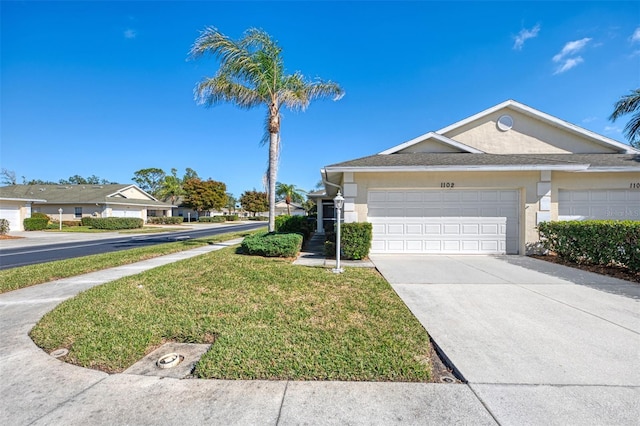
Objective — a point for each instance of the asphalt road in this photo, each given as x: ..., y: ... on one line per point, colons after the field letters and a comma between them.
x: 14, y: 257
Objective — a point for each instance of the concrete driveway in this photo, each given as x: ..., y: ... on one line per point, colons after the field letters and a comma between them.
x: 534, y: 340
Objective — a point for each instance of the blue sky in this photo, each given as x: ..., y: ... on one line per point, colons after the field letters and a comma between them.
x: 105, y: 88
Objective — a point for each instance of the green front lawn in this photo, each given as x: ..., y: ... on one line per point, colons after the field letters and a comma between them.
x: 25, y: 276
x: 266, y: 318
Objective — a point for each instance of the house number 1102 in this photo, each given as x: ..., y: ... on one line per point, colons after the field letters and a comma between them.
x: 447, y: 185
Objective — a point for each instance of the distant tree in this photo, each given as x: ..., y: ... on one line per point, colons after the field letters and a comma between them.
x: 149, y: 180
x: 290, y: 193
x: 8, y: 177
x: 252, y: 74
x: 171, y: 187
x: 231, y: 202
x: 254, y: 201
x: 38, y: 182
x: 202, y: 195
x: 79, y: 180
x: 309, y: 206
x: 629, y: 104
x: 189, y: 173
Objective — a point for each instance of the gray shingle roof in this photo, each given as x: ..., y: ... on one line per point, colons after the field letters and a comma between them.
x: 498, y: 160
x: 76, y: 194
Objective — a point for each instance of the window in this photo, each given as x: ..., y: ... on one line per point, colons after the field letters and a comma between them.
x: 78, y: 212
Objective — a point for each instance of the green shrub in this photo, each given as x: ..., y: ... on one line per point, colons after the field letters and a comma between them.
x: 259, y: 218
x: 212, y: 219
x: 355, y: 241
x: 38, y: 215
x: 293, y: 224
x: 87, y: 221
x: 232, y: 217
x: 71, y: 223
x: 116, y: 223
x: 35, y: 223
x: 171, y: 220
x: 4, y: 226
x: 598, y: 242
x: 272, y: 244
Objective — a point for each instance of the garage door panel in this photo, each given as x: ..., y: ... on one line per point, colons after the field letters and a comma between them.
x: 616, y: 204
x: 414, y: 229
x: 473, y: 229
x: 445, y: 222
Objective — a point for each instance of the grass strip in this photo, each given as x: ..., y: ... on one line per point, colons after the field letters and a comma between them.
x: 267, y: 319
x: 25, y: 276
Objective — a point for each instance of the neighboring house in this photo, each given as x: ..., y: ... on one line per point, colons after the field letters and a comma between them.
x: 178, y: 208
x: 16, y: 208
x: 294, y: 208
x: 78, y: 201
x: 481, y: 185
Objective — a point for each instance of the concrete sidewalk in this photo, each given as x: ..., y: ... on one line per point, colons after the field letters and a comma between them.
x: 39, y: 389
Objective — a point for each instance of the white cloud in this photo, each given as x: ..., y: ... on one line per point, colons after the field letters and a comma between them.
x: 612, y: 129
x: 571, y: 48
x: 524, y: 35
x: 635, y: 37
x: 589, y: 119
x: 568, y: 64
x: 129, y: 33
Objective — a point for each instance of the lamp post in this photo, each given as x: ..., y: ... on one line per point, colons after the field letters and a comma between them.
x: 60, y: 221
x: 338, y: 202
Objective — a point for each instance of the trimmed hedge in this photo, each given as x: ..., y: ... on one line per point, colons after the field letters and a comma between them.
x: 116, y: 223
x: 598, y: 242
x: 87, y: 221
x: 39, y: 215
x: 259, y: 218
x: 171, y: 220
x: 272, y: 244
x: 293, y: 224
x: 212, y: 219
x: 35, y: 223
x: 355, y: 241
x: 232, y: 217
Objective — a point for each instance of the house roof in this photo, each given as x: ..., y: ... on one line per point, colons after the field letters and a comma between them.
x: 468, y: 161
x: 81, y: 194
x: 510, y: 104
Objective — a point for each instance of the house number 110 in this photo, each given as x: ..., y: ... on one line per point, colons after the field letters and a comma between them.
x: 447, y: 185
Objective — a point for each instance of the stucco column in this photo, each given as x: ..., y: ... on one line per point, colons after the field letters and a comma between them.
x: 320, y: 217
x: 544, y: 193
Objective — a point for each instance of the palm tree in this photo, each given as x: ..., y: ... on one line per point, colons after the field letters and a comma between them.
x: 171, y: 187
x: 251, y: 74
x: 627, y: 104
x: 290, y: 193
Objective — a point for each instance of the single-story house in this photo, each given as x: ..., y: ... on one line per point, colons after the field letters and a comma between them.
x: 16, y: 208
x: 294, y: 209
x: 483, y: 184
x: 78, y: 201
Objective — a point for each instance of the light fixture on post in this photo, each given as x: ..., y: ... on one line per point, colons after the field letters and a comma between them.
x: 338, y: 202
x: 60, y: 212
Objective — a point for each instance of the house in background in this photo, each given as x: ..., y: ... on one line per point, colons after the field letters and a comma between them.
x: 483, y: 184
x: 78, y: 201
x: 15, y: 208
x: 293, y: 210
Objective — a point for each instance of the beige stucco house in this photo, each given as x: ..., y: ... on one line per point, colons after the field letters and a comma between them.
x: 77, y: 201
x: 481, y: 185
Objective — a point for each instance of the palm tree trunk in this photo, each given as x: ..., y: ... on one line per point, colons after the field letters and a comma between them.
x: 273, y: 174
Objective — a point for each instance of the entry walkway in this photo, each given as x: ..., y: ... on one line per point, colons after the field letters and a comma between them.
x: 38, y: 389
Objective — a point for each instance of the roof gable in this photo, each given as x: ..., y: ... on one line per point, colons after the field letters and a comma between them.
x: 522, y: 130
x: 431, y: 143
x: 515, y: 128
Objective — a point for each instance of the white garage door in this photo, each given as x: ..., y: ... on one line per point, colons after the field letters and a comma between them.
x: 444, y: 222
x: 599, y: 204
x: 12, y: 214
x: 126, y: 212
